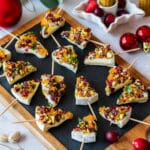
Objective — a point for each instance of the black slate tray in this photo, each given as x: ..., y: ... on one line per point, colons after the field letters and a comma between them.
x: 96, y: 75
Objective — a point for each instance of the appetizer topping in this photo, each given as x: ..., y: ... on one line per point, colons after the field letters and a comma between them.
x: 50, y: 115
x: 25, y: 88
x: 115, y: 114
x: 83, y: 88
x: 19, y: 68
x: 132, y: 93
x: 29, y: 42
x: 66, y: 54
x: 87, y: 124
x: 117, y: 76
x: 101, y: 52
x: 4, y: 55
x: 78, y: 34
x: 51, y: 21
x: 53, y: 86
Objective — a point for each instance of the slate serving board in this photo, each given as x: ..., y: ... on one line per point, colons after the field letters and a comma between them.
x: 96, y: 75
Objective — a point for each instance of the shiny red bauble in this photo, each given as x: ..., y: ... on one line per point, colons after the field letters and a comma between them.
x: 10, y: 12
x: 143, y: 32
x: 140, y: 144
x: 128, y: 41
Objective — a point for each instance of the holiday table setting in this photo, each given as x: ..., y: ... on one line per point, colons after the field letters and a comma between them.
x: 121, y: 34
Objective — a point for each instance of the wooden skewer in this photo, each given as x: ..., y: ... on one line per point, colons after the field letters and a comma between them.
x: 132, y: 63
x: 11, y: 104
x: 60, y: 9
x: 9, y: 43
x: 82, y: 144
x: 99, y: 43
x: 128, y: 51
x: 139, y: 121
x: 24, y: 121
x: 4, y: 30
x: 55, y: 40
x: 52, y: 69
x: 91, y: 109
x: 2, y: 75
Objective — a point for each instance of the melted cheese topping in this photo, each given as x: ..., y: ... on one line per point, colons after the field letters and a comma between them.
x: 66, y: 54
x: 132, y: 92
x: 117, y: 75
x: 50, y: 115
x: 55, y: 86
x: 101, y: 52
x: 115, y: 114
x: 83, y: 88
x: 19, y: 68
x: 87, y: 124
x: 29, y: 42
x: 78, y: 34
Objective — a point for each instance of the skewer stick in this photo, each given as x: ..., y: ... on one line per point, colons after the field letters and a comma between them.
x: 132, y: 64
x: 60, y: 9
x: 55, y: 40
x: 11, y: 104
x: 4, y: 30
x: 139, y: 121
x: 2, y: 75
x: 9, y: 43
x: 24, y: 121
x: 82, y: 144
x: 99, y: 43
x: 128, y: 51
x: 91, y: 109
x: 52, y: 69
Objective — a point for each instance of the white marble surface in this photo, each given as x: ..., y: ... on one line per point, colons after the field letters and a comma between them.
x: 28, y: 141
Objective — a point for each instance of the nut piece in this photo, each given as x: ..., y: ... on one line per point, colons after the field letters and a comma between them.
x: 14, y: 137
x: 3, y: 138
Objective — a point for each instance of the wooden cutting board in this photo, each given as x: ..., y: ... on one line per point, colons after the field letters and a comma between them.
x: 125, y: 142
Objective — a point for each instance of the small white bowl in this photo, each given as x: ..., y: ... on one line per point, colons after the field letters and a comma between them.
x: 134, y: 14
x: 112, y: 9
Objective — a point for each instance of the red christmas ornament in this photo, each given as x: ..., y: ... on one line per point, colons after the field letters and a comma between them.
x: 143, y: 32
x: 141, y: 144
x: 10, y: 12
x: 128, y: 41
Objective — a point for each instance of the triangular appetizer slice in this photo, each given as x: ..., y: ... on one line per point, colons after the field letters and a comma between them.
x: 117, y: 79
x: 100, y: 56
x: 85, y: 130
x: 24, y: 91
x: 78, y: 36
x: 48, y: 117
x: 67, y: 57
x: 14, y: 71
x: 53, y: 87
x: 133, y: 93
x: 28, y: 44
x: 118, y: 115
x: 51, y: 22
x: 4, y: 55
x: 84, y: 92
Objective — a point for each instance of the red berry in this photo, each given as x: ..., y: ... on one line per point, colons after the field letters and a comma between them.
x: 111, y: 136
x: 10, y: 12
x: 140, y: 144
x: 143, y: 32
x: 99, y: 12
x: 91, y: 6
x: 109, y: 18
x: 122, y: 12
x: 121, y: 3
x: 128, y: 41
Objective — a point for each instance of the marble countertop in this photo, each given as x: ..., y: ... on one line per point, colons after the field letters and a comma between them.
x: 112, y: 38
